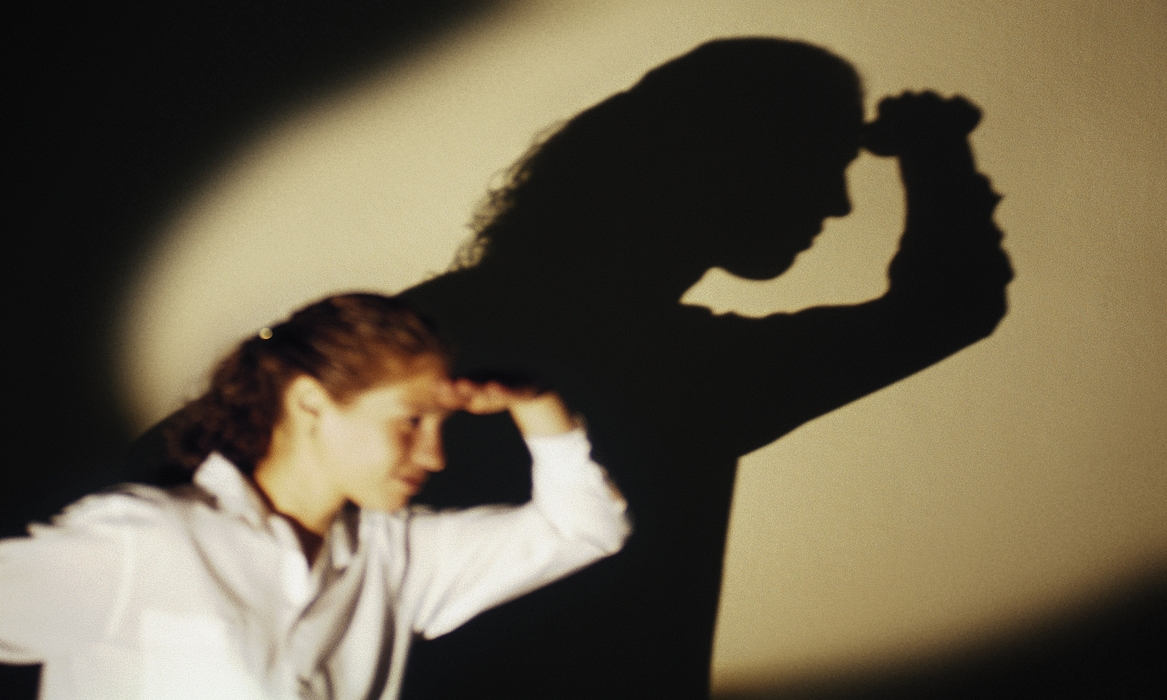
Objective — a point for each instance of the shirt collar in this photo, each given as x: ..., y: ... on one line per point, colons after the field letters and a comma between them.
x: 342, y: 536
x: 236, y: 495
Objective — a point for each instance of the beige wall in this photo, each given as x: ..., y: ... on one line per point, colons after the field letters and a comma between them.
x: 1025, y: 474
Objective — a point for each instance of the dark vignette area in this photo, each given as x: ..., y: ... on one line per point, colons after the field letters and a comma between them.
x: 1115, y: 648
x: 114, y: 111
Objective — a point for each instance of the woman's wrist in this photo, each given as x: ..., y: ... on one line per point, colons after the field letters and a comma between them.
x: 543, y: 415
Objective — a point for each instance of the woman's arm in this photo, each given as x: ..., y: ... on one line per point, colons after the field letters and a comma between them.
x: 65, y: 584
x: 464, y: 562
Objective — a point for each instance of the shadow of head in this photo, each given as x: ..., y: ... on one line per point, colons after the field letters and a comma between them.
x: 731, y: 156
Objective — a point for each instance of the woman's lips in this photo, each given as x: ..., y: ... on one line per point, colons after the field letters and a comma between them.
x: 413, y: 481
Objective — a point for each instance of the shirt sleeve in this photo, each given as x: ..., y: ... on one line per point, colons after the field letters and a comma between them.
x: 464, y: 562
x: 65, y: 583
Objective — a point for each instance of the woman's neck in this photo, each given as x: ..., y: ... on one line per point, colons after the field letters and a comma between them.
x: 295, y: 491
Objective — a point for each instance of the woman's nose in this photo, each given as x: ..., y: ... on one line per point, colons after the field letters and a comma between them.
x: 427, y: 450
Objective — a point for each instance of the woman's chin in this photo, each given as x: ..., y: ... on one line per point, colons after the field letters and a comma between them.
x: 389, y: 499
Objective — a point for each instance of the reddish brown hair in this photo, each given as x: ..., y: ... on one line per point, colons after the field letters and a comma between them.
x: 349, y: 343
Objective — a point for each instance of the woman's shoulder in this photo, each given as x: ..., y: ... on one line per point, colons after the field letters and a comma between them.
x: 125, y: 505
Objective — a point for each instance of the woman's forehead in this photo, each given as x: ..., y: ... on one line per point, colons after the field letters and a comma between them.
x: 425, y: 364
x: 422, y: 384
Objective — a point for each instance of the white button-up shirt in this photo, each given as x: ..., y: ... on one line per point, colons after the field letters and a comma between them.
x: 203, y: 592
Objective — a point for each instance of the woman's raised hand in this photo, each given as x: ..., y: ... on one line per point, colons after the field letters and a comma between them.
x: 535, y: 413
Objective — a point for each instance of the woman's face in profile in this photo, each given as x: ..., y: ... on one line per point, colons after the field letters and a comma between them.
x: 380, y: 448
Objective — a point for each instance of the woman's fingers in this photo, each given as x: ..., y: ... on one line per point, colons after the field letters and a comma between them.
x: 490, y: 397
x: 535, y: 412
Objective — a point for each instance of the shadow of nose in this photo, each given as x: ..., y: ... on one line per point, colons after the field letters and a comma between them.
x: 841, y: 208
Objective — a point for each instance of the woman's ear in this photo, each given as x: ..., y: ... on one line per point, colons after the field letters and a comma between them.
x: 305, y: 400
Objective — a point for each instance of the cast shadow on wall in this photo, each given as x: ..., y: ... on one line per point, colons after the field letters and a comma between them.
x: 730, y: 156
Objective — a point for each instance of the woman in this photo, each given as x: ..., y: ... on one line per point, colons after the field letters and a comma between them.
x: 291, y: 567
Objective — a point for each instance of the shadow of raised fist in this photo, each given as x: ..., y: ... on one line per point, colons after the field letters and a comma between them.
x: 919, y: 121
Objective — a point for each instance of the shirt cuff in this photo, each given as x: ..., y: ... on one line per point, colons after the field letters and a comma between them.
x: 571, y: 446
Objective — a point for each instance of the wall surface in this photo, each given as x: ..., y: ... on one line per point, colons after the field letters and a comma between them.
x: 1022, y: 478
